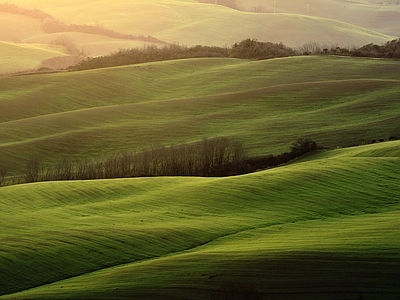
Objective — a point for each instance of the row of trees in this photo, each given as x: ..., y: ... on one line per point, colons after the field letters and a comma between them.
x: 390, y: 49
x: 246, y: 49
x: 52, y: 25
x: 148, y: 54
x: 209, y: 157
x: 215, y: 157
x: 32, y: 13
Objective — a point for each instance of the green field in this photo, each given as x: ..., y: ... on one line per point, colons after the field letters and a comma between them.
x: 325, y: 227
x: 264, y: 104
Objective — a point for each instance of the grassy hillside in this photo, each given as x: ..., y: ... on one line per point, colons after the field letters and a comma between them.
x: 265, y: 104
x: 322, y: 228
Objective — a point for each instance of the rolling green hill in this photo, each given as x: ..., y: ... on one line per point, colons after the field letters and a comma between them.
x: 325, y: 227
x: 265, y: 104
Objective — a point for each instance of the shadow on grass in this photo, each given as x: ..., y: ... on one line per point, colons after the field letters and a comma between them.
x: 236, y: 291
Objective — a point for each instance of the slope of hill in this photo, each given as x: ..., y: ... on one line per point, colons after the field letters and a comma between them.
x: 265, y: 104
x: 324, y: 227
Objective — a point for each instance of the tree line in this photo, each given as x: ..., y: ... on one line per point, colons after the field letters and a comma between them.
x: 390, y: 49
x: 246, y: 49
x: 214, y: 157
x: 52, y: 25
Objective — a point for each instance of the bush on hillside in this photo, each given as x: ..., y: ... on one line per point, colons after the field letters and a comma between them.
x: 303, y: 146
x: 253, y: 49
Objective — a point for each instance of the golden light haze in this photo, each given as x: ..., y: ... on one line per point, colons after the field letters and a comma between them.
x: 188, y: 22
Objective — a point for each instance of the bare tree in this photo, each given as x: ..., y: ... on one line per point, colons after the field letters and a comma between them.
x: 3, y: 173
x: 32, y: 170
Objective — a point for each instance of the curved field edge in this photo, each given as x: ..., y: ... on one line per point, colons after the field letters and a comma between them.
x: 265, y: 104
x: 296, y: 228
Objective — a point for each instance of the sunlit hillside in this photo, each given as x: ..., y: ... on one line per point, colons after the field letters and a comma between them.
x: 264, y: 104
x: 189, y: 23
x: 322, y: 228
x: 381, y: 16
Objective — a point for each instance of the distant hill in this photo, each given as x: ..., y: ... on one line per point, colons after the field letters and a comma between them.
x: 380, y: 16
x: 188, y: 23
